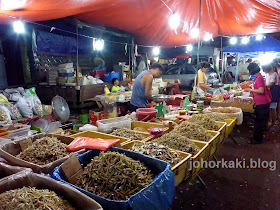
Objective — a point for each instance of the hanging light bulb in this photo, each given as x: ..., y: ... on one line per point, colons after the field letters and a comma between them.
x: 233, y: 40
x: 98, y: 44
x: 156, y: 51
x: 189, y: 47
x: 259, y: 37
x: 245, y: 40
x: 18, y: 26
x: 194, y: 33
x: 208, y: 37
x: 174, y: 21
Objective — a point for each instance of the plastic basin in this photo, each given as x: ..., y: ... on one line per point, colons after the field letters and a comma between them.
x: 145, y: 114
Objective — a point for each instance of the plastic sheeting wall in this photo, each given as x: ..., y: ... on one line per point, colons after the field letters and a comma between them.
x: 148, y: 19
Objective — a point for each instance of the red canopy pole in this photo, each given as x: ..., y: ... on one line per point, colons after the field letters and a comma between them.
x: 198, y: 43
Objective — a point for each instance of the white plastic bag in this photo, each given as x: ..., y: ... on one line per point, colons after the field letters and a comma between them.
x: 13, y: 111
x: 238, y: 113
x: 25, y: 107
x: 35, y: 101
x: 5, y: 118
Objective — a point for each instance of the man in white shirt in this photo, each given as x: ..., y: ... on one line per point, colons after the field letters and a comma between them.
x: 243, y: 71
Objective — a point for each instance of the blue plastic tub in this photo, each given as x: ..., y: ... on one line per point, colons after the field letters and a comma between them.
x: 158, y: 195
x: 109, y: 76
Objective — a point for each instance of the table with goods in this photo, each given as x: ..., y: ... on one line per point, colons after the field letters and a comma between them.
x: 128, y: 162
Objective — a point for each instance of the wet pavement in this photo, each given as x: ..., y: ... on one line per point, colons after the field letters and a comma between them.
x: 237, y: 188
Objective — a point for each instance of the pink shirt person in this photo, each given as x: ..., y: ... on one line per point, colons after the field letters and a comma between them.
x: 261, y: 98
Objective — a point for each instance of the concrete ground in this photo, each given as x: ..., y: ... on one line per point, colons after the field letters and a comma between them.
x: 237, y: 188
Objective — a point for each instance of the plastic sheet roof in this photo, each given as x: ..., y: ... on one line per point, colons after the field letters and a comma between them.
x: 266, y: 45
x: 148, y: 19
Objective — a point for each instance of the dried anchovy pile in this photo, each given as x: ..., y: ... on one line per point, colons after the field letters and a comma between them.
x: 217, y: 116
x: 158, y: 151
x: 32, y: 198
x: 205, y: 121
x: 140, y: 129
x: 192, y: 131
x: 44, y: 151
x: 127, y: 133
x: 224, y: 110
x: 178, y: 142
x: 114, y: 176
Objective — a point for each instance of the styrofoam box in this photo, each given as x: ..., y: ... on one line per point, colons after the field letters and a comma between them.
x: 108, y: 125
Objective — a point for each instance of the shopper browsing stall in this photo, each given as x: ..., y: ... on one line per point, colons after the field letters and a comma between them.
x: 262, y: 98
x: 141, y: 92
x: 271, y: 81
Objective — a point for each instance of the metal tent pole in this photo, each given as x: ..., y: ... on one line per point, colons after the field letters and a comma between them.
x: 236, y: 71
x: 199, y: 29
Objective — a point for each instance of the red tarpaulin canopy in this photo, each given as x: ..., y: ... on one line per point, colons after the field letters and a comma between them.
x: 183, y: 56
x: 148, y: 19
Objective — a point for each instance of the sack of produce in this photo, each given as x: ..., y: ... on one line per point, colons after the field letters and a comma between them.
x: 122, y: 179
x: 41, y: 192
x: 229, y: 111
x: 5, y: 118
x: 42, y: 153
x: 25, y: 107
x: 35, y: 101
x: 14, y: 112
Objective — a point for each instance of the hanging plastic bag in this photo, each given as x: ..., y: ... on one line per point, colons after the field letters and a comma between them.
x: 35, y: 101
x: 14, y: 112
x: 5, y: 118
x: 25, y: 107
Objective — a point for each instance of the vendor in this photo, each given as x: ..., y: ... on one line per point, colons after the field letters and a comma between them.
x: 243, y: 70
x: 262, y: 98
x: 116, y: 86
x: 200, y: 80
x: 141, y: 92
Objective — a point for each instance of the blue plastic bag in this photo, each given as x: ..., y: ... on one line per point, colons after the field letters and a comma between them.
x: 158, y: 195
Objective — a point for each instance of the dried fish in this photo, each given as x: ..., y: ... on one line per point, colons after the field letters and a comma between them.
x: 217, y: 116
x: 32, y: 198
x: 205, y: 121
x: 44, y: 151
x: 224, y: 110
x: 114, y: 176
x: 140, y: 129
x: 192, y: 131
x: 178, y: 142
x: 158, y: 151
x: 127, y: 133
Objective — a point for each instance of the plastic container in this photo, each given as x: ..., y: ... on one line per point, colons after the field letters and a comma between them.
x: 100, y: 73
x: 145, y: 114
x: 109, y: 76
x: 108, y: 125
